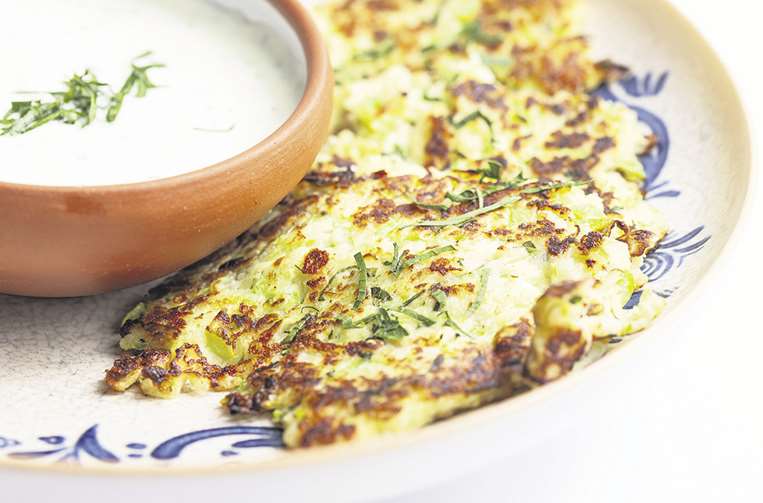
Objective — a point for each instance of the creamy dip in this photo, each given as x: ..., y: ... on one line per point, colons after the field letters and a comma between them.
x: 229, y: 82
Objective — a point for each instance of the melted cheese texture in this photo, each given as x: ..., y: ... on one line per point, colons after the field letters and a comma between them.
x: 473, y: 227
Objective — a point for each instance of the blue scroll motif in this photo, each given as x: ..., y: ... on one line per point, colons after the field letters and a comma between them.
x: 88, y: 445
x: 673, y: 250
x: 264, y: 437
x: 668, y: 255
x: 640, y: 87
x: 655, y: 160
x: 6, y: 443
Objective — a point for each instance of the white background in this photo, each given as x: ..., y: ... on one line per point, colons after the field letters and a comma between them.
x: 691, y: 427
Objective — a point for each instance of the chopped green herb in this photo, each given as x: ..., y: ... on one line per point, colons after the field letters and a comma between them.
x: 493, y: 170
x: 575, y: 299
x: 466, y: 217
x: 442, y: 300
x: 530, y: 247
x: 422, y: 257
x: 383, y: 325
x: 427, y: 322
x: 362, y: 280
x: 439, y: 207
x: 331, y: 281
x: 466, y: 196
x: 293, y: 331
x: 480, y: 199
x: 395, y: 253
x: 515, y: 182
x: 472, y: 117
x: 475, y: 195
x: 473, y: 32
x: 412, y: 299
x: 387, y: 327
x: 554, y: 186
x: 481, y: 291
x: 522, y: 183
x: 79, y: 101
x: 380, y: 294
x: 24, y: 116
x: 384, y: 49
x: 139, y: 80
x: 452, y: 324
x: 397, y: 258
x: 76, y: 105
x: 349, y: 324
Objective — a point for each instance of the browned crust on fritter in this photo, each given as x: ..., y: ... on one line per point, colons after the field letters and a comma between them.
x: 273, y: 375
x: 382, y: 398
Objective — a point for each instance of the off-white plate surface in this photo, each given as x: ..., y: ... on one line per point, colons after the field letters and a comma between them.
x: 54, y: 352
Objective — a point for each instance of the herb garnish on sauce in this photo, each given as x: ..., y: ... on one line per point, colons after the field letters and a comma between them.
x: 78, y: 104
x: 138, y: 80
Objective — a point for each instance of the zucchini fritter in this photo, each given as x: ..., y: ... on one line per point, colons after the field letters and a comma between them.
x: 474, y: 224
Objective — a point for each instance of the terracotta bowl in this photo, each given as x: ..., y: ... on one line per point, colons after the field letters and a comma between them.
x: 72, y: 241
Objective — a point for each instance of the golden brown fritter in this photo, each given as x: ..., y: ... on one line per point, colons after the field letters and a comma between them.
x: 474, y: 224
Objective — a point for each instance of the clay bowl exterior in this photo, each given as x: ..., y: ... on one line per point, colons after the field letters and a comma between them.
x: 73, y: 241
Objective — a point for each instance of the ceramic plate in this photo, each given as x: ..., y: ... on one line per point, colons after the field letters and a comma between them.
x: 57, y: 420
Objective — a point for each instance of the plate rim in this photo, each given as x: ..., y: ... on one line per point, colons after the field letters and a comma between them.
x: 507, y: 408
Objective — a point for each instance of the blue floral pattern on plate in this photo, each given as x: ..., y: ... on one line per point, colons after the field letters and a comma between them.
x: 88, y: 444
x: 674, y: 249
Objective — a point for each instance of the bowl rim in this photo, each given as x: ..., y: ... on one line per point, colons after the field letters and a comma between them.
x: 319, y: 76
x: 317, y: 457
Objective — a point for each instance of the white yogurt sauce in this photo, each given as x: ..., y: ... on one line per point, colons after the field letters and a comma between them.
x: 228, y: 83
